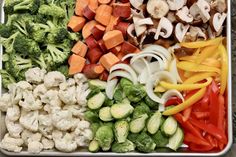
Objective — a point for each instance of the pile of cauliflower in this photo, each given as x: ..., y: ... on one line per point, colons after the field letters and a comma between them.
x: 45, y: 112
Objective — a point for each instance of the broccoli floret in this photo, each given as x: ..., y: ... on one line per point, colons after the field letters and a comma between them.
x: 26, y: 46
x: 37, y: 31
x: 57, y: 35
x: 64, y: 69
x: 5, y: 31
x: 40, y: 61
x: 28, y: 5
x: 51, y: 10
x: 7, y: 79
x: 9, y: 42
x: 18, y: 65
x: 9, y: 6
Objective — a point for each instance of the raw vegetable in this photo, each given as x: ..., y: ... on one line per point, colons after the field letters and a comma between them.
x: 95, y: 83
x: 176, y: 140
x: 105, y: 114
x: 121, y: 130
x: 169, y: 126
x: 93, y: 146
x: 138, y: 124
x: 144, y: 143
x: 160, y: 139
x: 124, y: 147
x: 121, y: 110
x: 154, y: 122
x: 91, y: 116
x: 105, y: 137
x: 96, y: 101
x: 141, y: 109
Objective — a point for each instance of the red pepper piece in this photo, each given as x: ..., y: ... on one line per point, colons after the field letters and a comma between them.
x: 211, y: 140
x: 200, y: 148
x: 221, y: 113
x: 173, y: 101
x: 201, y: 115
x: 211, y: 129
x: 186, y: 113
x: 190, y: 138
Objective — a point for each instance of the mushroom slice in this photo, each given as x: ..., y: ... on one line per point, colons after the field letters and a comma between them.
x: 176, y: 4
x: 219, y: 5
x: 157, y: 8
x: 180, y: 31
x: 130, y: 33
x: 201, y: 8
x: 199, y: 32
x: 136, y: 3
x: 164, y: 29
x: 146, y: 21
x: 217, y: 21
x: 171, y: 16
x: 184, y: 16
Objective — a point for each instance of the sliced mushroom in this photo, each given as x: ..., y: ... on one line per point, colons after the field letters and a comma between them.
x: 164, y: 29
x: 136, y: 3
x: 171, y: 16
x: 199, y: 32
x: 180, y: 31
x: 157, y: 8
x: 145, y: 21
x: 200, y: 9
x: 219, y: 5
x: 184, y: 16
x: 211, y: 34
x: 176, y: 4
x: 217, y: 21
x: 139, y: 29
x: 131, y: 35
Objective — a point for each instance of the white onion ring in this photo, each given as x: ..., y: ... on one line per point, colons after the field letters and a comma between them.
x: 110, y: 88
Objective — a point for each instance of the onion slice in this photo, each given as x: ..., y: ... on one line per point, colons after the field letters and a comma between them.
x: 110, y: 88
x: 144, y: 75
x: 120, y: 73
x: 174, y: 71
x: 170, y: 93
x: 127, y: 68
x: 138, y: 65
x: 128, y: 56
x: 158, y: 50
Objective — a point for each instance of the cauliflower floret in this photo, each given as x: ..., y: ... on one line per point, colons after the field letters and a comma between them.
x: 62, y: 119
x: 47, y: 143
x: 74, y: 123
x: 83, y: 133
x: 80, y: 78
x: 45, y: 125
x: 82, y: 92
x: 76, y: 110
x: 35, y: 75
x: 29, y: 136
x: 64, y: 143
x: 5, y: 102
x: 14, y: 128
x: 24, y: 85
x: 39, y: 91
x: 11, y: 144
x: 29, y: 120
x: 15, y: 93
x: 30, y: 103
x: 68, y: 95
x: 51, y: 98
x: 47, y: 108
x: 35, y: 147
x: 13, y: 113
x: 69, y: 83
x: 53, y: 79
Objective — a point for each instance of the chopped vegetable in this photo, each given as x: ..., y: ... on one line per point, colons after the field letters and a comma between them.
x: 105, y: 114
x: 121, y: 130
x: 124, y: 147
x: 154, y: 122
x: 105, y: 137
x: 96, y: 101
x: 169, y: 126
x: 138, y: 124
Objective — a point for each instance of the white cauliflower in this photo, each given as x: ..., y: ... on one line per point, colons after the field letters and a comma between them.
x: 83, y: 133
x: 35, y: 147
x: 11, y: 144
x: 5, y: 102
x: 82, y: 92
x: 47, y: 143
x: 29, y: 120
x: 24, y: 85
x: 61, y: 119
x: 35, y: 75
x: 51, y: 97
x: 76, y: 110
x: 13, y: 113
x: 74, y: 123
x: 80, y: 78
x: 68, y: 95
x: 47, y: 108
x: 29, y: 102
x: 53, y: 79
x: 64, y: 143
x: 39, y: 91
x: 14, y: 128
x: 69, y: 83
x: 29, y: 136
x: 16, y: 93
x: 45, y: 125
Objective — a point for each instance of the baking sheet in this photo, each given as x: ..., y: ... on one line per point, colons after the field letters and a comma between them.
x: 181, y: 152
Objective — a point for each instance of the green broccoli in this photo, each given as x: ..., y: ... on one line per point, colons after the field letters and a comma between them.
x: 9, y: 6
x: 7, y: 79
x: 37, y: 31
x: 28, y: 5
x: 8, y: 43
x: 5, y: 31
x: 64, y: 69
x: 18, y: 64
x: 57, y: 35
x: 51, y: 10
x: 40, y: 61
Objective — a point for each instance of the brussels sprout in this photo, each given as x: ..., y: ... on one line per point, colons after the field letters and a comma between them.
x: 105, y: 114
x: 121, y: 110
x: 170, y: 126
x: 93, y: 92
x: 124, y: 147
x: 109, y: 124
x: 121, y: 130
x: 176, y: 140
x: 140, y: 110
x: 94, y: 127
x: 138, y: 124
x: 96, y: 101
x: 144, y: 143
x: 118, y: 95
x: 154, y: 122
x: 105, y: 137
x: 96, y: 83
x: 132, y: 137
x: 152, y: 104
x: 108, y: 102
x: 160, y: 139
x: 135, y: 93
x: 93, y: 146
x: 91, y: 116
x: 125, y: 82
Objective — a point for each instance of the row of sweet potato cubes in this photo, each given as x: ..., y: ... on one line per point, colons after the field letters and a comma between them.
x: 104, y: 26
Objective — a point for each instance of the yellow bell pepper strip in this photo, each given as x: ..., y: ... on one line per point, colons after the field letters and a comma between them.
x: 159, y: 89
x: 188, y: 74
x: 197, y: 52
x: 224, y: 69
x: 198, y: 77
x: 187, y: 103
x: 194, y: 67
x: 200, y: 44
x: 213, y: 62
x: 183, y: 87
x: 206, y: 53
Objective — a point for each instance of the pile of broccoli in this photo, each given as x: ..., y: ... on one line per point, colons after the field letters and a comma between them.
x: 35, y: 35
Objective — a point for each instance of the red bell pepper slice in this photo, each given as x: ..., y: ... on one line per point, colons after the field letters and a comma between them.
x: 173, y: 101
x: 186, y: 113
x: 211, y: 129
x: 221, y: 113
x: 214, y: 105
x: 190, y: 138
x: 200, y: 148
x: 211, y: 140
x: 201, y: 115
